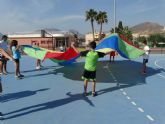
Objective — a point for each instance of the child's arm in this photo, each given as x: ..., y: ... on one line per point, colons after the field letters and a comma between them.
x: 100, y: 54
x: 73, y: 46
x: 5, y: 54
x: 83, y: 53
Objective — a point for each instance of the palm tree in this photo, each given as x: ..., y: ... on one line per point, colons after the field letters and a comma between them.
x: 91, y: 15
x: 127, y: 33
x: 101, y: 19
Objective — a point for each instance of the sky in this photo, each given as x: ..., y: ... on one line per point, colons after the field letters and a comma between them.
x: 30, y: 15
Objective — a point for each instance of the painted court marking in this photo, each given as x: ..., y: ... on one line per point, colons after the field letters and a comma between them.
x: 157, y: 65
x: 129, y: 98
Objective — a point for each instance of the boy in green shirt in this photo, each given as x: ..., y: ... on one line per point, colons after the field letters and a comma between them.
x: 90, y: 66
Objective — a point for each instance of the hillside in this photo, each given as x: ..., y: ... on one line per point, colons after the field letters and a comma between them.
x: 147, y: 28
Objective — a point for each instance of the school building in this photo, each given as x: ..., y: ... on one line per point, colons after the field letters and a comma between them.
x: 47, y: 38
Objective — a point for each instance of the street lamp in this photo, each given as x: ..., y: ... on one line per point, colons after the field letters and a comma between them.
x: 43, y: 32
x: 114, y: 16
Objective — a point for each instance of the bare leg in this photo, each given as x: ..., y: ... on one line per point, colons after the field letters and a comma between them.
x: 110, y: 58
x: 1, y: 87
x: 5, y: 66
x: 93, y: 88
x: 1, y: 67
x: 16, y: 69
x: 85, y: 86
x: 144, y: 68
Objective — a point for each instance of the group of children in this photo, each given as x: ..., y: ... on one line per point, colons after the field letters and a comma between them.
x: 91, y: 58
x: 5, y: 56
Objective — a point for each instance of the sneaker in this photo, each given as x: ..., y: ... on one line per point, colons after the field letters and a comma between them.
x: 21, y: 75
x: 84, y: 94
x: 143, y: 73
x: 38, y: 67
x: 18, y: 77
x: 94, y: 94
x: 5, y: 73
x: 1, y: 115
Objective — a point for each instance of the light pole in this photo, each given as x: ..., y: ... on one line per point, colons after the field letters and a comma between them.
x: 114, y: 16
x: 43, y: 32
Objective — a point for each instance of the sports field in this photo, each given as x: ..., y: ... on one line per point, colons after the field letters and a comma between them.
x: 53, y: 95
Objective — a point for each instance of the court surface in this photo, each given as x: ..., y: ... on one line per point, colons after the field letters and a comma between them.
x: 53, y: 95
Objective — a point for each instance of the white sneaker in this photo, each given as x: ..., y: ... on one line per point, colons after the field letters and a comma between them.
x: 38, y: 67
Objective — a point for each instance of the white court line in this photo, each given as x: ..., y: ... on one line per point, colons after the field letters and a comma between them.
x: 133, y: 103
x: 121, y: 89
x: 161, y: 76
x: 128, y: 97
x: 125, y: 93
x: 140, y: 109
x: 159, y: 67
x: 157, y: 62
x: 150, y: 118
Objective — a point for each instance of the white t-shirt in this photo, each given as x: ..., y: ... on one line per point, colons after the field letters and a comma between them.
x: 147, y: 51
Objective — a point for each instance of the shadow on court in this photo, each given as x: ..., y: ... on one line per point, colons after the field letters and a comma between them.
x: 126, y: 72
x: 19, y: 95
x: 47, y: 105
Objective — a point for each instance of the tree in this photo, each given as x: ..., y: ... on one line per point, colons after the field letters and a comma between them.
x: 123, y: 31
x: 155, y: 39
x: 120, y: 28
x: 101, y: 19
x: 91, y: 16
x: 127, y: 33
x: 139, y: 40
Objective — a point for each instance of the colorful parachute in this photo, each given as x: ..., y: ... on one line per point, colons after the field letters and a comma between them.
x: 113, y: 42
x: 118, y: 43
x: 60, y: 57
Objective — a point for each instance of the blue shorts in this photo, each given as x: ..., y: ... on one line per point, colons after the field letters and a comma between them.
x: 145, y: 61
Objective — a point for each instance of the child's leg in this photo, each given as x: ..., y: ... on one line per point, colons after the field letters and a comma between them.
x: 0, y: 86
x: 93, y: 87
x: 85, y: 86
x: 113, y: 58
x: 110, y: 58
x: 144, y: 67
x: 4, y: 65
x: 16, y: 69
x: 19, y: 73
x: 1, y: 67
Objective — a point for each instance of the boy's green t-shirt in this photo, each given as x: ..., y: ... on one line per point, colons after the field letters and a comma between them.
x: 91, y: 59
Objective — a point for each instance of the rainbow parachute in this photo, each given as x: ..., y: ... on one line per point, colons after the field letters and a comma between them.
x: 59, y: 57
x: 113, y: 42
x: 118, y: 43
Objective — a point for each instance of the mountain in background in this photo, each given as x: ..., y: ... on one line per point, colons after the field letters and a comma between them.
x: 147, y: 28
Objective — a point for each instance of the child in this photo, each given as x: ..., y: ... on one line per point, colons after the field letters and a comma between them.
x: 38, y: 64
x: 145, y: 56
x: 112, y: 55
x: 16, y: 55
x: 3, y: 59
x: 90, y: 66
